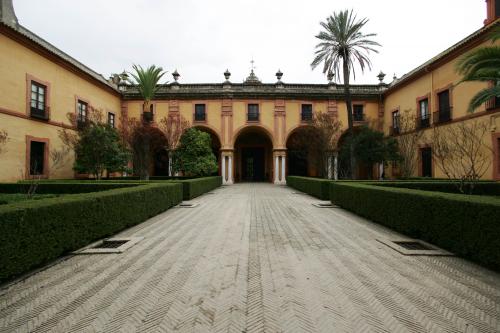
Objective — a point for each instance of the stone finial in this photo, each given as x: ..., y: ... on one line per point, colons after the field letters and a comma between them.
x: 394, y: 77
x: 330, y: 76
x: 252, y: 78
x: 7, y: 13
x: 279, y: 75
x: 227, y: 75
x: 176, y: 75
x: 381, y: 77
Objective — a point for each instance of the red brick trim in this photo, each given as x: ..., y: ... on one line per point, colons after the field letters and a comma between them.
x: 29, y: 79
x: 429, y: 105
x: 495, y: 137
x: 29, y: 139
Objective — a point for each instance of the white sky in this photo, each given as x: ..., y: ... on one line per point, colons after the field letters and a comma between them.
x: 203, y: 38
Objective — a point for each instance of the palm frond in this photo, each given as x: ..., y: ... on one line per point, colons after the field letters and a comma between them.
x: 147, y: 80
x: 483, y: 96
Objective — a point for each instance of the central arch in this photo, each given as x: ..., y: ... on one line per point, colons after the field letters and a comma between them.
x: 253, y: 155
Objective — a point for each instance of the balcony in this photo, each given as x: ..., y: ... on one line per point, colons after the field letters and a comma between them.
x: 394, y: 130
x: 442, y: 116
x: 200, y: 116
x: 147, y: 117
x: 423, y: 121
x: 253, y: 116
x: 40, y: 114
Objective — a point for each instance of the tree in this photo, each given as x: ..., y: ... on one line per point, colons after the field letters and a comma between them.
x: 97, y: 146
x: 460, y: 152
x: 408, y: 142
x: 342, y: 45
x: 371, y: 147
x: 4, y: 138
x: 147, y: 84
x: 173, y: 128
x: 482, y: 64
x: 194, y: 156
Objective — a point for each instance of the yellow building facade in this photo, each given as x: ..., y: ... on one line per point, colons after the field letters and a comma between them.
x: 251, y: 123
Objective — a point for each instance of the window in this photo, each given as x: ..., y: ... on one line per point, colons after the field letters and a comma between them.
x: 307, y: 112
x: 111, y: 119
x: 444, y: 111
x: 424, y: 116
x: 253, y: 112
x: 426, y: 161
x: 497, y: 98
x: 199, y: 112
x: 358, y: 114
x: 37, y: 158
x: 82, y: 111
x: 38, y: 100
x: 395, y: 122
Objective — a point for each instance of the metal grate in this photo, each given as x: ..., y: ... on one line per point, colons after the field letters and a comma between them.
x: 414, y: 246
x: 110, y: 244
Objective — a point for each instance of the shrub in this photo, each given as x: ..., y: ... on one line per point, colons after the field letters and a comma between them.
x: 317, y: 187
x: 480, y: 188
x: 35, y: 232
x: 195, y: 187
x: 62, y: 187
x: 465, y: 225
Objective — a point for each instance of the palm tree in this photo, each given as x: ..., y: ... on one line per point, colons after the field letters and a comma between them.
x: 342, y: 46
x: 482, y: 64
x: 147, y: 83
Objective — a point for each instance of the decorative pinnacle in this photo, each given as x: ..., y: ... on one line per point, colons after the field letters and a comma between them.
x: 176, y: 75
x: 279, y: 75
x: 381, y: 77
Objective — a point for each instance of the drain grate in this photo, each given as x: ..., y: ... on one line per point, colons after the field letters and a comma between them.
x: 324, y: 205
x: 410, y: 245
x: 187, y: 205
x: 110, y: 244
x: 414, y: 247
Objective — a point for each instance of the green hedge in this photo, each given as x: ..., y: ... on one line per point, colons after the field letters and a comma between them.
x: 317, y: 187
x: 62, y: 187
x: 33, y: 233
x: 197, y: 186
x: 481, y: 188
x: 468, y: 226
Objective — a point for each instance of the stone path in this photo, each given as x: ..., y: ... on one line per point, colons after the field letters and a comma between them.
x: 255, y: 258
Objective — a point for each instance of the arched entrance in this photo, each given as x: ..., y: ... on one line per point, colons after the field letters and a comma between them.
x: 216, y: 144
x: 304, y: 152
x: 253, y: 155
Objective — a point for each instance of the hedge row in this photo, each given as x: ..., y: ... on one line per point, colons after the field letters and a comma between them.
x: 61, y: 187
x: 480, y: 188
x: 465, y: 225
x: 317, y: 187
x: 197, y: 186
x: 33, y: 233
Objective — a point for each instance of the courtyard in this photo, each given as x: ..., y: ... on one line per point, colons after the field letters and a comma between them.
x: 255, y: 258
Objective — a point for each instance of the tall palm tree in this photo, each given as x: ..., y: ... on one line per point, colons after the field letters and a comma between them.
x: 342, y: 46
x: 482, y: 64
x: 147, y: 83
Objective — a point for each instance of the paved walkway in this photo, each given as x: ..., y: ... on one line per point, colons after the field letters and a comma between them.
x: 255, y: 258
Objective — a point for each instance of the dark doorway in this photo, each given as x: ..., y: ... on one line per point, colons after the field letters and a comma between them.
x: 253, y: 166
x: 426, y: 158
x: 161, y: 163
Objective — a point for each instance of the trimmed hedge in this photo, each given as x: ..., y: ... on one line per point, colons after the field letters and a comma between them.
x: 317, y: 187
x: 468, y: 226
x: 481, y: 188
x: 62, y: 187
x: 33, y: 233
x: 197, y: 186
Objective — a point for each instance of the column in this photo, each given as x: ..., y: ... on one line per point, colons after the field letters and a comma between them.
x: 335, y: 166
x: 230, y: 170
x: 381, y: 171
x: 283, y: 161
x: 223, y: 169
x: 329, y: 166
x: 276, y: 169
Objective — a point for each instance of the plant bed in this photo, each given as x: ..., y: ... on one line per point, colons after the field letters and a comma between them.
x: 35, y: 232
x: 462, y: 224
x: 317, y: 187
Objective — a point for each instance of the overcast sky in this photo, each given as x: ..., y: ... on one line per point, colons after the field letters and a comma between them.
x: 203, y: 38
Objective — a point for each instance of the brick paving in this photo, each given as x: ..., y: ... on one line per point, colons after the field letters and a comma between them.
x: 255, y: 258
